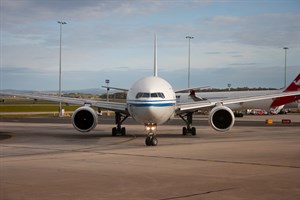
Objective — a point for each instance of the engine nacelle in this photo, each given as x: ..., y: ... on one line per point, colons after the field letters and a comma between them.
x: 221, y: 118
x: 84, y: 119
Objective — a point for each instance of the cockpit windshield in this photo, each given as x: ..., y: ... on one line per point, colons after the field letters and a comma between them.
x: 150, y: 95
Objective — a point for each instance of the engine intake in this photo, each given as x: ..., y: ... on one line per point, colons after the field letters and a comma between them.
x: 84, y: 119
x: 221, y: 118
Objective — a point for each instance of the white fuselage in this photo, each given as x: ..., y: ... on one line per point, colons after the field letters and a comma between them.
x: 151, y: 100
x: 295, y: 104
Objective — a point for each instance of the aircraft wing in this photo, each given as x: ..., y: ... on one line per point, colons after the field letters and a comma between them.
x: 120, y: 107
x: 115, y: 88
x: 191, y: 107
x: 192, y: 88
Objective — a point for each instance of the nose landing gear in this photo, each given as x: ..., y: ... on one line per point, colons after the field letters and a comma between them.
x: 151, y: 140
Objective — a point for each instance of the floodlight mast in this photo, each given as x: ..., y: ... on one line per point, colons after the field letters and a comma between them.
x: 107, y: 81
x: 60, y: 41
x: 189, y: 60
x: 285, y: 51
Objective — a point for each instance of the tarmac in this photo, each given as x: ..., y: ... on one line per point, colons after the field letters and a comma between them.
x: 46, y: 158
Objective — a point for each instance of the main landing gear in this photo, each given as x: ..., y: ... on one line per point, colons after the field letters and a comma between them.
x: 119, y: 130
x: 151, y: 140
x: 188, y: 119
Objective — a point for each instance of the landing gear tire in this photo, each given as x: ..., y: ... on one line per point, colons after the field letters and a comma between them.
x: 123, y: 131
x: 147, y: 141
x: 154, y: 141
x: 193, y: 131
x: 184, y: 130
x: 151, y: 141
x: 115, y: 131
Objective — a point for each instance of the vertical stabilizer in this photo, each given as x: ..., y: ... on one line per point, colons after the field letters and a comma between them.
x: 294, y: 86
x: 155, y: 56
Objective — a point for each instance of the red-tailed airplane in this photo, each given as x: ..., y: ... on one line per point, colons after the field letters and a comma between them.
x: 263, y: 104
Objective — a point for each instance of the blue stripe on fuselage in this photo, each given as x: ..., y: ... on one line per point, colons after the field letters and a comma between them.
x: 151, y: 103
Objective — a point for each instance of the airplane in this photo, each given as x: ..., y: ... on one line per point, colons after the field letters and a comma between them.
x: 263, y: 104
x: 151, y: 101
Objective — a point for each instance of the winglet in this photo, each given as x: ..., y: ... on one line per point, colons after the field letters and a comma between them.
x: 155, y: 56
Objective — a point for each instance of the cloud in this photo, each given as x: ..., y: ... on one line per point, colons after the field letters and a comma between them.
x: 223, y: 20
x: 243, y: 64
x: 18, y: 78
x: 118, y: 36
x: 236, y: 75
x: 268, y: 29
x: 15, y: 70
x: 213, y: 52
x: 40, y: 10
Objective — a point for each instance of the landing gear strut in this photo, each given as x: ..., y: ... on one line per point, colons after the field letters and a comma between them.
x: 151, y: 140
x: 188, y: 119
x: 119, y: 130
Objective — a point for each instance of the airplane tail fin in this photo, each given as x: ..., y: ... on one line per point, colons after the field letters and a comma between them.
x: 155, y: 56
x: 294, y: 86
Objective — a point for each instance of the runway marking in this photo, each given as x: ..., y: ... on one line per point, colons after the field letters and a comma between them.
x: 197, y: 194
x: 209, y: 160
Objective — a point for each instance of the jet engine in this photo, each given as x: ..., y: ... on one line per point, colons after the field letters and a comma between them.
x: 221, y: 118
x: 84, y: 119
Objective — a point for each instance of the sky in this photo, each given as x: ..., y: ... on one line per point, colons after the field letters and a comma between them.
x: 235, y: 41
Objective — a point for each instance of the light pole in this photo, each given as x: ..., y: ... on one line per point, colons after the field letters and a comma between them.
x: 59, y: 90
x: 189, y: 62
x: 285, y: 51
x: 107, y: 84
x: 107, y: 96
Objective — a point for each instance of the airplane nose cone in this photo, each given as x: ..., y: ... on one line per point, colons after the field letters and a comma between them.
x: 153, y: 115
x: 156, y: 115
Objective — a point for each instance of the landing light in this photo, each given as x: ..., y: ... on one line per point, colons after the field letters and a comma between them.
x: 150, y: 127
